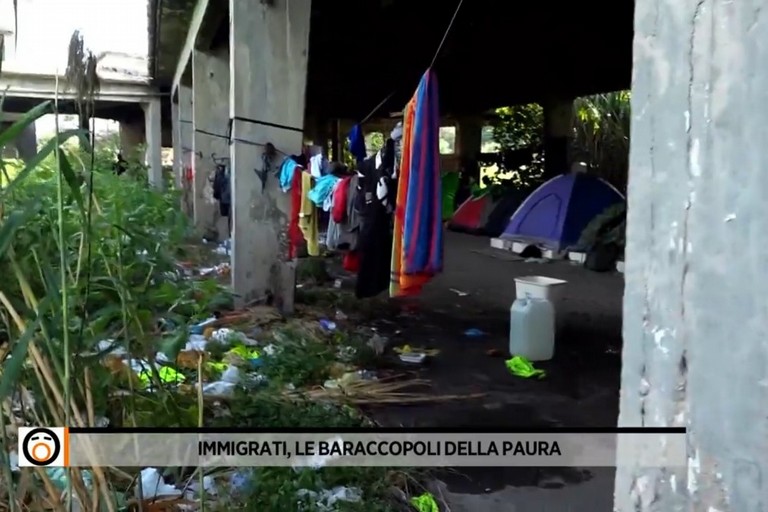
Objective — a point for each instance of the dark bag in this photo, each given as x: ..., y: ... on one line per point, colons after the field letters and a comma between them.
x: 219, y: 182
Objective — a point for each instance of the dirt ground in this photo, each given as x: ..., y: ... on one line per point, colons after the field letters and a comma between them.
x: 581, y: 388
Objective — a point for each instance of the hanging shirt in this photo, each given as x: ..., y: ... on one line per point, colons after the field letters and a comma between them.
x: 287, y: 168
x: 323, y: 187
x: 308, y: 217
x: 316, y: 165
x: 357, y: 143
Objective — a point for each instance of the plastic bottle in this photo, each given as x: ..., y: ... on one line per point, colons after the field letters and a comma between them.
x: 532, y: 329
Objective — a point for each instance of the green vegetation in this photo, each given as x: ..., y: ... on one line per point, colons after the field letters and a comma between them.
x: 601, y: 140
x: 87, y: 256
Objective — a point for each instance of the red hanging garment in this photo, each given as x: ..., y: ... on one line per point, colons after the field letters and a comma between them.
x: 351, y: 262
x: 339, y: 210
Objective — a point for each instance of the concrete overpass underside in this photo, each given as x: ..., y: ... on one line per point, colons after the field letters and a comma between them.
x: 497, y: 53
x: 695, y: 186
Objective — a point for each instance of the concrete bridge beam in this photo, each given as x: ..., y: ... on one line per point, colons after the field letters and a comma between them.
x: 210, y: 89
x: 268, y: 76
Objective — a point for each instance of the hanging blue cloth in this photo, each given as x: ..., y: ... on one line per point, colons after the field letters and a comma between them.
x: 287, y: 168
x: 322, y: 189
x: 357, y: 143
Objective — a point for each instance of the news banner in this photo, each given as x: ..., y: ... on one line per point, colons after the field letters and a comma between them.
x: 62, y: 447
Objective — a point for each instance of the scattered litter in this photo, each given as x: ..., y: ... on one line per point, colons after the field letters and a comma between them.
x: 219, y: 270
x: 425, y: 503
x: 730, y: 217
x: 407, y: 349
x: 337, y: 283
x: 346, y: 353
x: 519, y: 366
x: 327, y: 325
x: 326, y: 500
x: 413, y: 358
x: 241, y: 481
x: 474, y: 333
x: 378, y: 344
x: 224, y: 248
x: 320, y: 461
x: 340, y: 315
x: 219, y: 388
x: 349, y: 378
x: 152, y: 485
x: 199, y: 328
x: 209, y: 486
x: 231, y: 375
x: 459, y: 292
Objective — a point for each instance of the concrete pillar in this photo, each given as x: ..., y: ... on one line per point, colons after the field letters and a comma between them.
x: 186, y: 143
x: 469, y: 139
x: 210, y: 76
x: 131, y: 137
x: 178, y: 174
x: 268, y: 65
x: 695, y: 307
x: 154, y: 155
x: 558, y: 134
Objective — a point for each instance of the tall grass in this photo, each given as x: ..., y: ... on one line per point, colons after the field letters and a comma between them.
x: 85, y: 256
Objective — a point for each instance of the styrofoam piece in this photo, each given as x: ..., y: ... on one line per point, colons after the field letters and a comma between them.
x: 620, y: 266
x: 540, y: 287
x: 498, y: 243
x: 579, y: 257
x: 413, y: 358
x: 519, y: 247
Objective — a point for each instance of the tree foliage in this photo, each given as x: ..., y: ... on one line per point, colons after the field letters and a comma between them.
x: 600, y: 139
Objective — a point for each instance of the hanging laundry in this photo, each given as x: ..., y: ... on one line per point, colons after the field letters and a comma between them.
x: 374, y: 245
x: 356, y: 140
x: 308, y: 217
x: 317, y: 165
x: 338, y: 235
x: 323, y: 187
x: 340, y: 195
x: 351, y: 261
x: 287, y: 169
x: 417, y: 253
x: 295, y: 235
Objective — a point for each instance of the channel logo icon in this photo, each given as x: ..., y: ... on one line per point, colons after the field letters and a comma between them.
x: 43, y: 447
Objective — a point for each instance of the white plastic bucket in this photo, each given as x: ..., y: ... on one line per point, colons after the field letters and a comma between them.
x: 540, y: 287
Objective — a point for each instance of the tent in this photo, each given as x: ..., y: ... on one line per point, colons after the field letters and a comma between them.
x: 503, y: 210
x: 472, y: 215
x: 486, y: 215
x: 556, y: 213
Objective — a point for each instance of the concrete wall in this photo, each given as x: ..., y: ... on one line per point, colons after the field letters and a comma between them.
x: 696, y: 308
x: 210, y: 73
